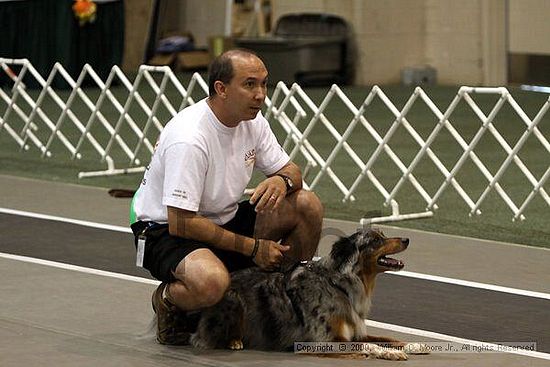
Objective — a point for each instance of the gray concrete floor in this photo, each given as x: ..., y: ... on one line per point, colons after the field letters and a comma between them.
x: 464, y: 258
x: 52, y: 316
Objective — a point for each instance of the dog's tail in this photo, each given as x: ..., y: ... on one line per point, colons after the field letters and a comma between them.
x: 150, y: 332
x: 121, y: 193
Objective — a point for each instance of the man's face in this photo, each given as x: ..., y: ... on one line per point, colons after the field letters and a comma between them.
x: 248, y: 88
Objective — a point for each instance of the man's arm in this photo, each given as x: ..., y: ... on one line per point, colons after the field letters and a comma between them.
x: 292, y: 171
x: 188, y: 224
x: 272, y: 191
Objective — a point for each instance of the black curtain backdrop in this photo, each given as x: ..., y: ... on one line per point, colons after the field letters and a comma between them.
x: 46, y: 32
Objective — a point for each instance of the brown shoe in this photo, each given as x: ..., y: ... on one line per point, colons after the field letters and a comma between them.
x: 171, y: 321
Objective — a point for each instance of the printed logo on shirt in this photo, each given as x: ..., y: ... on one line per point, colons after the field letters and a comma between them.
x: 250, y: 157
x: 180, y: 194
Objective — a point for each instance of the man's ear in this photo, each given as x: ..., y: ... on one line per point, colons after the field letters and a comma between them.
x: 220, y: 88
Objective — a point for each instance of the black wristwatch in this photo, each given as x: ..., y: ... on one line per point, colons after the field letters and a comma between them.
x: 288, y: 182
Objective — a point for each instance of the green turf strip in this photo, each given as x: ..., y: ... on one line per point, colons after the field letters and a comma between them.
x: 495, y: 222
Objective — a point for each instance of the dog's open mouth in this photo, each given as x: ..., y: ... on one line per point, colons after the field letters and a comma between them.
x: 390, y: 263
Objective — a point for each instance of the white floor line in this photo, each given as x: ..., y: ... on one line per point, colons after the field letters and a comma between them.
x: 450, y: 338
x: 470, y: 284
x: 409, y: 274
x: 79, y: 222
x: 80, y: 269
x: 376, y: 324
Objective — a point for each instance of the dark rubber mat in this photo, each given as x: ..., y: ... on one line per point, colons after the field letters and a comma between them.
x: 439, y: 307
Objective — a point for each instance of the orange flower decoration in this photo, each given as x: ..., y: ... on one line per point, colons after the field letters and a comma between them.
x: 85, y: 11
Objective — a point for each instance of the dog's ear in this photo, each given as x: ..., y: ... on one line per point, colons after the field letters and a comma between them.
x: 344, y: 253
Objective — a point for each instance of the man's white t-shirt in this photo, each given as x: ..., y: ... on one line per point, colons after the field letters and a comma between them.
x: 203, y: 166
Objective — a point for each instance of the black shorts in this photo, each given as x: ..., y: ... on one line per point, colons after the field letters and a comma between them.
x: 164, y: 252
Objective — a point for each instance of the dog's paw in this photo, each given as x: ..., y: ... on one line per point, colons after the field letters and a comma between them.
x: 394, y: 355
x: 197, y: 342
x: 376, y: 351
x: 236, y: 344
x: 416, y: 348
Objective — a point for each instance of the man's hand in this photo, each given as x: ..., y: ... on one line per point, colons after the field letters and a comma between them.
x: 269, y: 194
x: 270, y: 254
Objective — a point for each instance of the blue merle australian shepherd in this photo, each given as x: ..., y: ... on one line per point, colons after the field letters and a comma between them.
x: 318, y: 301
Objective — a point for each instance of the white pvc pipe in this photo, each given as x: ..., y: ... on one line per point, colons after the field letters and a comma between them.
x: 228, y: 17
x: 294, y: 97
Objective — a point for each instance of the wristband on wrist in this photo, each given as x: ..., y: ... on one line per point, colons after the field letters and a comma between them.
x: 288, y: 182
x: 256, y: 246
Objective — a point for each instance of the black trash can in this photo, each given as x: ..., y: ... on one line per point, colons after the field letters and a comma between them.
x: 310, y: 49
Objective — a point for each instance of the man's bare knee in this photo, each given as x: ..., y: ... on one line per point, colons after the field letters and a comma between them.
x: 213, y: 285
x: 309, y: 205
x: 203, y: 280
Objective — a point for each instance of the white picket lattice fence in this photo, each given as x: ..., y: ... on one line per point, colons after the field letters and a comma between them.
x: 359, y: 120
x: 120, y: 130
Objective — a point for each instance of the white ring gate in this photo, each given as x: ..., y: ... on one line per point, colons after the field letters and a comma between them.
x: 25, y: 119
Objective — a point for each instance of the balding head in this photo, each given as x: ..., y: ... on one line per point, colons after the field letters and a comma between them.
x: 221, y: 68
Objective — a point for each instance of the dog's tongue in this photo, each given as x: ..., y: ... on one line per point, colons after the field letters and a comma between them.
x: 391, y: 263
